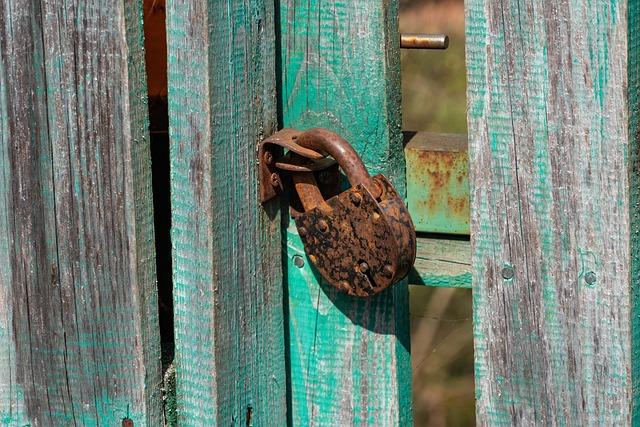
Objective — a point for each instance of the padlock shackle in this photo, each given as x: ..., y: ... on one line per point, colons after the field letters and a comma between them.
x: 328, y: 142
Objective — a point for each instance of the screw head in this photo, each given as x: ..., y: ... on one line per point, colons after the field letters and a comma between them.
x: 298, y: 261
x: 275, y: 180
x: 356, y: 198
x: 344, y: 286
x: 590, y: 278
x: 268, y: 157
x: 388, y: 271
x: 323, y: 226
x: 302, y: 232
x: 508, y: 273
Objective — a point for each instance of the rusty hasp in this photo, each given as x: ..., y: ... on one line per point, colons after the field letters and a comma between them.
x: 361, y: 240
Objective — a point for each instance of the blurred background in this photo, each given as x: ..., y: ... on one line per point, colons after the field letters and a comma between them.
x: 433, y: 99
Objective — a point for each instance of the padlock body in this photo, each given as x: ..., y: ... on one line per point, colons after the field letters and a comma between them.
x: 360, y: 244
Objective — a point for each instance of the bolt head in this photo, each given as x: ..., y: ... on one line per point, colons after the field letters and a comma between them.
x: 388, y: 271
x: 275, y: 180
x: 356, y: 198
x: 344, y: 286
x: 302, y: 232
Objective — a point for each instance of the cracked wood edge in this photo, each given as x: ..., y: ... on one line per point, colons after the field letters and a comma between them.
x: 78, y: 305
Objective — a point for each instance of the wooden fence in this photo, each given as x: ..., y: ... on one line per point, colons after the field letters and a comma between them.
x: 553, y: 112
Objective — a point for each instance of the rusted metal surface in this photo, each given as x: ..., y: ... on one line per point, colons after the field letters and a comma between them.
x: 271, y: 149
x: 324, y: 141
x: 424, y: 41
x: 438, y: 182
x: 362, y: 240
x: 307, y: 190
x: 360, y: 245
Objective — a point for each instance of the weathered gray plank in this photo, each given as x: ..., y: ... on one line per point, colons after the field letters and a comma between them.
x: 229, y: 323
x: 78, y: 310
x: 554, y: 144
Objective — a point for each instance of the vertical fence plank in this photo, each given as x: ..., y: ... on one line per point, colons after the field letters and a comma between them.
x: 78, y: 307
x: 230, y: 366
x: 553, y: 114
x: 349, y: 358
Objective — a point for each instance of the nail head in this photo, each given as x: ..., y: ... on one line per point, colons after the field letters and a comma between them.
x: 590, y: 278
x: 298, y: 261
x: 508, y: 273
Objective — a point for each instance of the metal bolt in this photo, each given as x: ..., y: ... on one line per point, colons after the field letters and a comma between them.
x: 268, y: 157
x: 424, y: 41
x: 590, y: 278
x: 356, y: 198
x: 275, y: 180
x: 302, y: 232
x: 298, y: 261
x: 344, y: 285
x: 508, y: 273
x: 388, y: 271
x: 323, y: 226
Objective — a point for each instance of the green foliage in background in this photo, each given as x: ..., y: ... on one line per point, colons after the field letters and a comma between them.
x: 434, y: 99
x: 433, y: 88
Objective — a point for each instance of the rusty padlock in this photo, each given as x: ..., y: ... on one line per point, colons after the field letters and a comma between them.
x: 362, y: 240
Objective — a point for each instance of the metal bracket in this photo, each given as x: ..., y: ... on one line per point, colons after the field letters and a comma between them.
x: 297, y: 159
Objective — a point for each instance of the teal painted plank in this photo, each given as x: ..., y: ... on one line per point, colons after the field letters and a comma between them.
x: 554, y: 144
x: 349, y: 358
x: 442, y: 262
x: 78, y: 307
x: 229, y: 324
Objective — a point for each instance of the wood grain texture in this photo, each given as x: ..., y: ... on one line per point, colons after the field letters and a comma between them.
x: 349, y: 358
x: 443, y: 263
x: 554, y: 144
x: 78, y: 307
x: 229, y: 325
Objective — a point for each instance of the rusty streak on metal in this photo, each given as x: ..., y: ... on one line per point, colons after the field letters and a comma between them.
x: 438, y: 182
x: 424, y: 41
x: 324, y: 141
